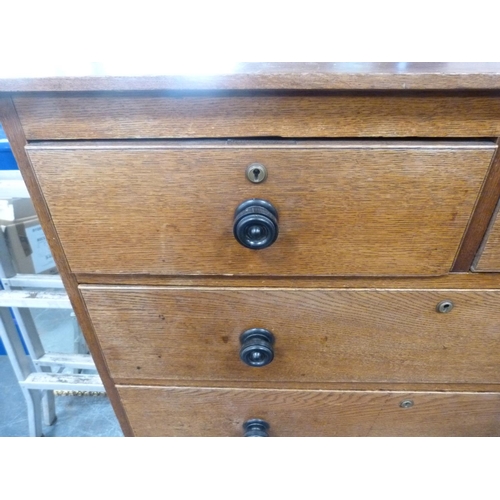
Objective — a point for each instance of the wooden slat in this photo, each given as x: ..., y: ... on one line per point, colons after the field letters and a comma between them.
x: 282, y: 115
x: 35, y: 281
x: 221, y: 412
x: 81, y: 361
x: 348, y: 209
x: 34, y: 299
x: 63, y: 382
x: 17, y: 139
x: 335, y: 336
x: 488, y: 257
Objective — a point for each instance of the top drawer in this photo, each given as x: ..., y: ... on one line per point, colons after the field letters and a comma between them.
x: 181, y: 115
x: 348, y: 208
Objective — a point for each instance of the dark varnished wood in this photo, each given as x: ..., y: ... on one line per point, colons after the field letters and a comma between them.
x: 195, y: 411
x: 316, y: 75
x: 480, y: 219
x: 336, y: 336
x: 344, y: 208
x: 17, y: 140
x: 143, y: 116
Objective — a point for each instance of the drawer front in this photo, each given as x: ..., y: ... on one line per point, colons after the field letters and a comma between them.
x: 488, y: 257
x: 286, y: 115
x: 222, y: 412
x: 166, y: 335
x: 343, y: 208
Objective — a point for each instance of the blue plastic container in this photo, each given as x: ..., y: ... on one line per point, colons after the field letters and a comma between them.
x: 7, y: 161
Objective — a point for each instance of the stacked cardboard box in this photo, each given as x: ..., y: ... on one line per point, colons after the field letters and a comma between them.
x: 24, y: 236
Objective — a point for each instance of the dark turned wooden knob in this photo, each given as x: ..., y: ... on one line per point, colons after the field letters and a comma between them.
x: 257, y: 347
x: 256, y: 224
x: 256, y: 428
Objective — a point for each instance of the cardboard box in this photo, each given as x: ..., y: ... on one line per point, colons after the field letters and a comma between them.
x: 28, y: 247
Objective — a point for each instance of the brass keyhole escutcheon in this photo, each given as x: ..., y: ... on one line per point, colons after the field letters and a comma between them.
x: 256, y: 173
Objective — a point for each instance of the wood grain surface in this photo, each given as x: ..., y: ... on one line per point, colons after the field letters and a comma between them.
x: 164, y: 74
x: 221, y: 412
x: 451, y: 281
x: 17, y: 140
x: 372, y: 336
x: 481, y: 218
x: 368, y: 234
x: 344, y: 209
x: 488, y: 257
x: 277, y: 115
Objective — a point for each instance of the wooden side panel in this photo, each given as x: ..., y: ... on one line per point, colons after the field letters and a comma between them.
x: 348, y: 209
x: 488, y: 258
x: 221, y: 412
x: 147, y: 116
x: 17, y: 140
x: 322, y: 336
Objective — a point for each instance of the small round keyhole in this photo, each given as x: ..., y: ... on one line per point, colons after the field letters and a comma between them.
x: 256, y: 173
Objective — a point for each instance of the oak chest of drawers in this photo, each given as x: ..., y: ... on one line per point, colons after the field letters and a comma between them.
x: 277, y: 251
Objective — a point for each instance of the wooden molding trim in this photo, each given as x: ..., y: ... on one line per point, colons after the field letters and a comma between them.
x: 449, y: 281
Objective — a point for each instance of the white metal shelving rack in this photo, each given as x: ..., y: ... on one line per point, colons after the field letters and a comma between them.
x: 39, y: 373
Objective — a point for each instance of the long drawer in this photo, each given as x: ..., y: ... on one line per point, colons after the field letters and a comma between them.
x: 343, y: 208
x: 161, y: 335
x: 191, y: 411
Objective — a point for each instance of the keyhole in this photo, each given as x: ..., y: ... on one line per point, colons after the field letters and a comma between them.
x: 256, y: 173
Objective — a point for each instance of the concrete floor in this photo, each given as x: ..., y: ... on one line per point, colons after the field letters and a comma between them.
x: 85, y: 416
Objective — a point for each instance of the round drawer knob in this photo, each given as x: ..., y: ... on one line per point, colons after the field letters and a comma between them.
x: 256, y: 427
x: 256, y: 224
x: 257, y: 347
